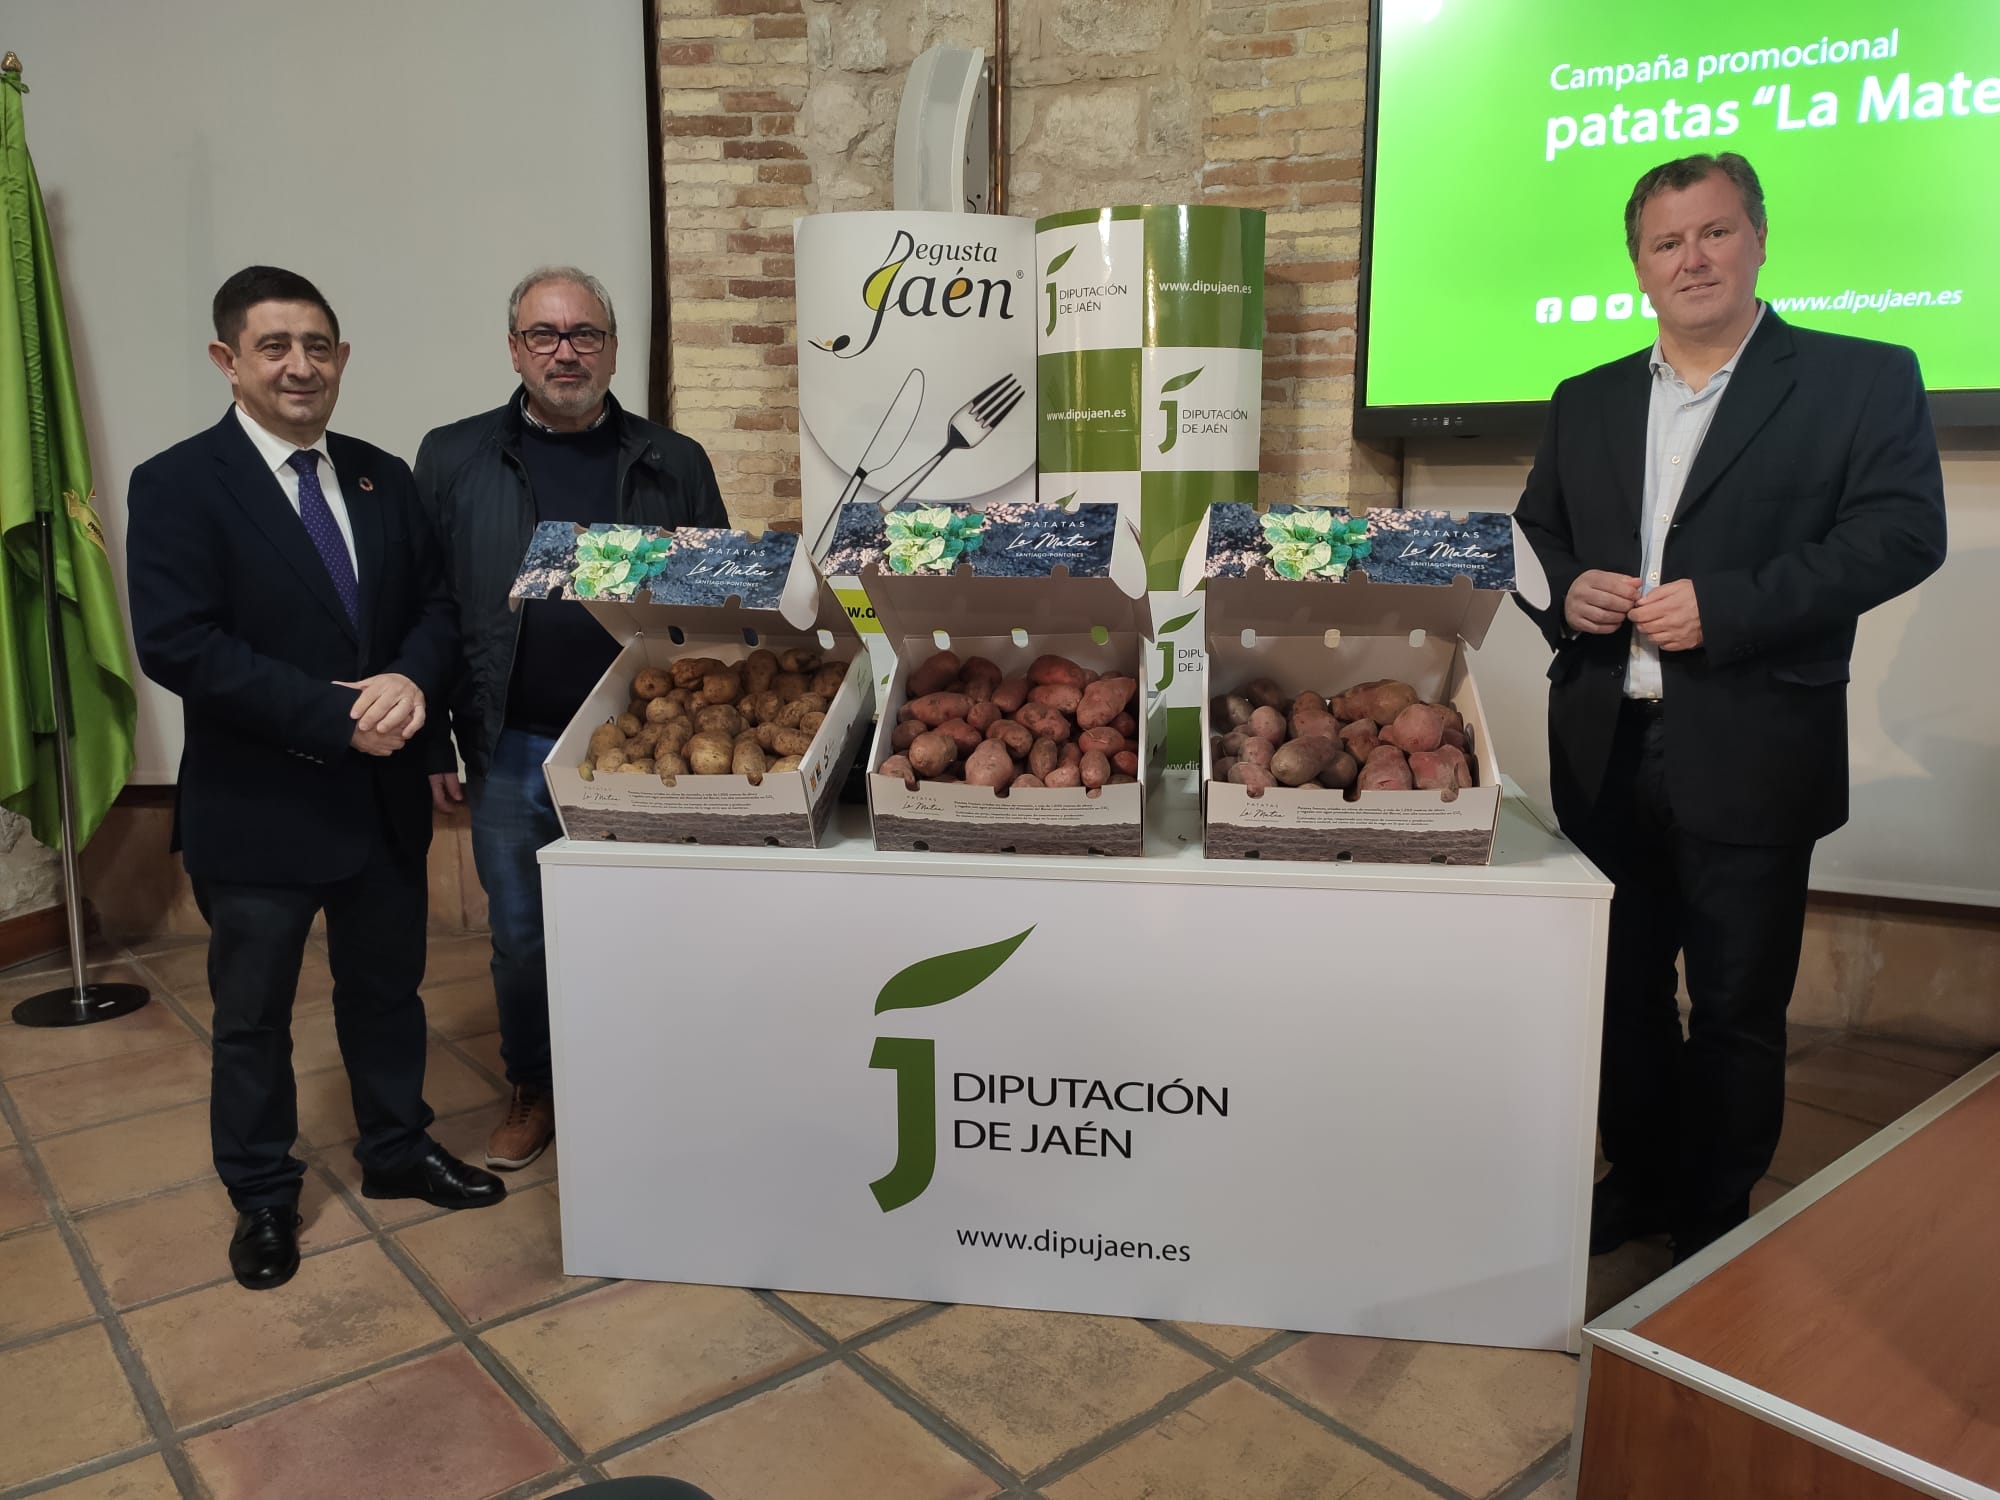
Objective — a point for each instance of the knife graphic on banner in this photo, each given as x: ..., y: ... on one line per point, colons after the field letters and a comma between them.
x: 894, y: 430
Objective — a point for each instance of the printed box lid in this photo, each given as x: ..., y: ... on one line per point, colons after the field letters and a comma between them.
x: 703, y: 582
x: 1295, y: 569
x: 972, y: 571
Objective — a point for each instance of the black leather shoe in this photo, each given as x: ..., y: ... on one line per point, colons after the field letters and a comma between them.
x: 439, y: 1179
x: 264, y: 1251
x: 1621, y: 1212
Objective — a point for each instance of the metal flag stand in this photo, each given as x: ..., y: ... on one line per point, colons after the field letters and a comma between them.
x: 81, y: 1002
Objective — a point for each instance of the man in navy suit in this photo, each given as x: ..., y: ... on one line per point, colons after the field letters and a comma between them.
x: 285, y: 585
x: 1714, y: 514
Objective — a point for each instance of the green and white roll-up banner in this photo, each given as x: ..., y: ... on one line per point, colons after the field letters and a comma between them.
x: 1150, y: 328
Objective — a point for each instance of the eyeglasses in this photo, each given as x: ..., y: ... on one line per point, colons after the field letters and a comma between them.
x: 543, y: 340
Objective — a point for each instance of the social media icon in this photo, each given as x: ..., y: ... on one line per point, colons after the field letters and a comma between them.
x: 1583, y: 309
x: 1549, y: 310
x: 1618, y: 306
x: 1646, y: 306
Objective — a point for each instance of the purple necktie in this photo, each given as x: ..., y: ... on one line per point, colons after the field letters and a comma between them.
x: 325, y: 532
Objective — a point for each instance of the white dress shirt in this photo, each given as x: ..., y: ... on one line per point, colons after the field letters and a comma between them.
x: 277, y: 452
x: 1677, y: 419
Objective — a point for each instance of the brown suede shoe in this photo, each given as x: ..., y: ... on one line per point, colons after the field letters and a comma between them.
x: 526, y: 1130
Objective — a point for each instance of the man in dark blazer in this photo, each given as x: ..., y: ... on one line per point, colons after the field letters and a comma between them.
x: 285, y: 585
x: 1714, y: 515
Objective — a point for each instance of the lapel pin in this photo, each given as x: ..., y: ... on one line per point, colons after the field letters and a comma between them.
x: 367, y: 483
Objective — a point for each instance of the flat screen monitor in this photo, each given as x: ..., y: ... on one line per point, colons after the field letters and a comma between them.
x: 1504, y: 137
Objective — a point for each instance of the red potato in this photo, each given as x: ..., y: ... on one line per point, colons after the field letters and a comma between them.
x: 1453, y: 719
x: 1454, y: 738
x: 1380, y: 700
x: 1063, y: 777
x: 1234, y: 741
x: 1231, y: 712
x: 935, y: 708
x: 980, y: 669
x: 1308, y: 702
x: 1126, y: 761
x: 1057, y: 695
x: 905, y: 734
x: 1104, y: 700
x: 1264, y: 693
x: 982, y: 716
x: 1072, y: 754
x: 1418, y: 727
x: 978, y: 692
x: 1043, y: 721
x: 1104, y: 738
x: 1011, y: 694
x: 1339, y: 773
x: 1119, y: 778
x: 989, y: 765
x: 1256, y: 778
x: 1315, y: 724
x: 1297, y: 762
x: 1222, y: 766
x: 1043, y: 756
x: 1385, y: 770
x: 1361, y: 737
x: 1126, y: 725
x: 899, y: 765
x: 1443, y: 769
x: 1048, y: 669
x: 961, y: 734
x: 1014, y: 736
x: 1256, y: 752
x: 1268, y: 724
x: 933, y: 754
x: 1025, y: 782
x: 1095, y: 768
x: 935, y: 674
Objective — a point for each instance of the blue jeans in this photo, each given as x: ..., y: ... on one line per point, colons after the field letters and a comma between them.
x: 512, y: 817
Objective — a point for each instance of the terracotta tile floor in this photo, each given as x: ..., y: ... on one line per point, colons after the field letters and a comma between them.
x: 438, y: 1356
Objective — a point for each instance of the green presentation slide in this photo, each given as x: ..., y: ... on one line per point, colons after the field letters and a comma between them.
x: 1509, y: 136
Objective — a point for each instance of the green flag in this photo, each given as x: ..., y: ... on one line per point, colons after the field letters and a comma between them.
x: 45, y: 467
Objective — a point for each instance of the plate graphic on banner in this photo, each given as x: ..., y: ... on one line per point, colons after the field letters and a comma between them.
x: 882, y: 295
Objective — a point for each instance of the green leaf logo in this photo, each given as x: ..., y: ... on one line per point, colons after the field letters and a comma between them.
x: 1060, y: 261
x: 1181, y: 380
x: 1177, y: 622
x: 932, y: 981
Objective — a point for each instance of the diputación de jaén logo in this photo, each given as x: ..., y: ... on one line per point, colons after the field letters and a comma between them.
x: 1050, y: 287
x: 1172, y: 409
x: 913, y: 1060
x: 886, y: 289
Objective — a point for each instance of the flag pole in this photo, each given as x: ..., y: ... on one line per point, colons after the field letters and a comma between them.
x: 83, y: 1002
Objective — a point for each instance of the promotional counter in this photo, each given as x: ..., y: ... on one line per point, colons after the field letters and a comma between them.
x: 1335, y: 1097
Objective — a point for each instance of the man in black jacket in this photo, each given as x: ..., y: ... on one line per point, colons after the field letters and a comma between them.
x: 560, y: 449
x: 1714, y: 514
x: 285, y: 585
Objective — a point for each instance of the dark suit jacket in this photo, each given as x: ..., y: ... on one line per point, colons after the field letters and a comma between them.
x: 233, y: 610
x: 1816, y: 495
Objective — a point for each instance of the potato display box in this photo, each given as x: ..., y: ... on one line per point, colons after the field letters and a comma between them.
x: 673, y: 594
x: 1288, y: 598
x: 1011, y: 583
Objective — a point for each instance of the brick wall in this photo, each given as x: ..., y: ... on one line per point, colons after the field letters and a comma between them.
x: 774, y: 108
x: 732, y: 79
x: 1284, y: 134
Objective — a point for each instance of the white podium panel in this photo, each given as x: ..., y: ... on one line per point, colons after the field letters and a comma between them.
x: 1354, y: 1099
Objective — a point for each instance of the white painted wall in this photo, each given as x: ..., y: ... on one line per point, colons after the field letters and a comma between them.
x: 412, y: 157
x: 1923, y: 723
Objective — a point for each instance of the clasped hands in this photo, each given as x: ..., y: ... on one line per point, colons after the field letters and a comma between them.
x: 389, y: 711
x: 1599, y: 602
